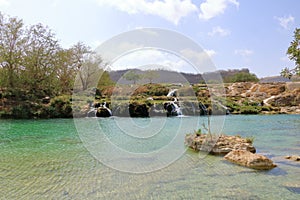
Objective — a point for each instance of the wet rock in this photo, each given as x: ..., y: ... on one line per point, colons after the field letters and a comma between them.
x: 139, y: 110
x: 293, y: 158
x: 46, y: 100
x: 172, y: 109
x: 251, y: 160
x: 103, y: 112
x: 221, y: 146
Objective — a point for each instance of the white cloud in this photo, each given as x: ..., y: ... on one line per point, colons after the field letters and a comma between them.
x: 285, y: 21
x: 243, y: 52
x: 210, y: 52
x: 171, y: 10
x: 154, y: 59
x: 219, y: 31
x: 212, y: 8
x: 4, y: 3
x: 202, y: 60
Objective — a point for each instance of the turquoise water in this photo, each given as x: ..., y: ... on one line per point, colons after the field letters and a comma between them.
x: 48, y: 159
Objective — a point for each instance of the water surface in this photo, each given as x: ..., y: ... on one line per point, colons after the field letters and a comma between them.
x: 46, y: 159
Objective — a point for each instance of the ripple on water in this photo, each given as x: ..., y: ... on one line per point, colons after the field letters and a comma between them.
x: 46, y: 160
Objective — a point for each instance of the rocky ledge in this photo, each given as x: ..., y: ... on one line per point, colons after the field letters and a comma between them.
x: 236, y: 149
x: 251, y: 160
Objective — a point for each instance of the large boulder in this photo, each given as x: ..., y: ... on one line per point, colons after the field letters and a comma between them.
x: 251, y: 160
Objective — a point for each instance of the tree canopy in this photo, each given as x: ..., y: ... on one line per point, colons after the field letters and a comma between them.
x: 32, y: 59
x: 132, y: 76
x: 151, y: 75
x: 293, y: 53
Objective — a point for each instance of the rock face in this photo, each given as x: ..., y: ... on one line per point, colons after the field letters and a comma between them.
x: 264, y: 97
x: 251, y: 160
x: 223, y: 145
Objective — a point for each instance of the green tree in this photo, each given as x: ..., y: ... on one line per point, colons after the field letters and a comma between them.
x: 11, y: 47
x: 41, y: 60
x: 132, y: 76
x: 104, y: 79
x: 294, y: 54
x: 65, y: 70
x: 243, y: 77
x: 151, y: 75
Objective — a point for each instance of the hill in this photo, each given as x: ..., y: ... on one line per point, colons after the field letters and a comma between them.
x: 178, y: 77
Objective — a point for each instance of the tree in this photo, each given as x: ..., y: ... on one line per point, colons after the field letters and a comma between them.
x: 65, y: 70
x: 132, y: 76
x: 151, y: 75
x: 11, y: 47
x: 294, y: 54
x: 41, y: 60
x: 242, y: 77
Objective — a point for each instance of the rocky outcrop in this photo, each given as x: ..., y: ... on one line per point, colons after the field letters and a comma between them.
x: 266, y: 98
x: 223, y: 145
x: 251, y: 160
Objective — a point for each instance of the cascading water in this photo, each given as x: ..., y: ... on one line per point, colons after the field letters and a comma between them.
x: 99, y: 111
x: 172, y: 93
x: 172, y: 107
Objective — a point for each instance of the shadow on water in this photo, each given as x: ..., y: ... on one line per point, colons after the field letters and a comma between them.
x: 295, y: 190
x: 277, y: 171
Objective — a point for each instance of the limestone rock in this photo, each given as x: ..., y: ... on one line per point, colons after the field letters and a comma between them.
x: 293, y: 158
x: 221, y: 146
x: 251, y: 160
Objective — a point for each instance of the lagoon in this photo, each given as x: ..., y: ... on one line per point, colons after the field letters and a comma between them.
x: 56, y: 159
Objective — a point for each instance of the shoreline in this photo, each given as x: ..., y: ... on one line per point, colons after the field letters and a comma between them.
x: 148, y: 100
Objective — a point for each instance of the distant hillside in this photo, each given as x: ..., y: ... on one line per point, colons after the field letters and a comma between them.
x: 274, y: 79
x: 176, y: 77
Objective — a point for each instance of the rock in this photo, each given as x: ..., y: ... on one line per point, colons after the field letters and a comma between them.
x: 293, y: 158
x: 138, y: 110
x: 103, y: 112
x: 172, y: 108
x: 251, y: 160
x: 46, y: 100
x: 223, y: 145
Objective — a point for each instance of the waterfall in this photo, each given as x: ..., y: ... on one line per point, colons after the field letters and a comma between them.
x: 172, y: 93
x: 108, y: 110
x: 99, y: 110
x: 92, y: 112
x: 203, y: 109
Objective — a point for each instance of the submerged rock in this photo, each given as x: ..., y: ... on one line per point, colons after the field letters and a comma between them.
x: 251, y: 160
x: 293, y: 158
x: 221, y: 146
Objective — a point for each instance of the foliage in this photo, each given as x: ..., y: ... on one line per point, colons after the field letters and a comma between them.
x: 31, y: 58
x: 294, y: 54
x: 242, y: 77
x: 198, y: 132
x: 250, y: 140
x: 151, y: 75
x: 132, y: 76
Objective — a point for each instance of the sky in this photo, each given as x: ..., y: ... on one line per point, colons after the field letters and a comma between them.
x: 253, y: 34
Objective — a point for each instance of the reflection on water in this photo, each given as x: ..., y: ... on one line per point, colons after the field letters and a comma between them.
x: 45, y: 159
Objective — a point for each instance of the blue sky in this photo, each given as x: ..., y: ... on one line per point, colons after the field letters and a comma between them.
x: 252, y: 34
